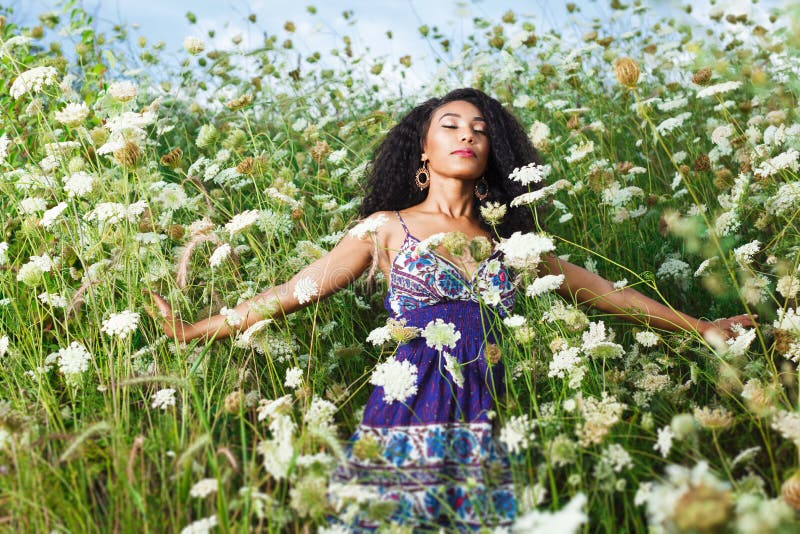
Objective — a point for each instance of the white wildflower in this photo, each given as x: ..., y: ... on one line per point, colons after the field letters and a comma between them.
x: 379, y: 336
x: 53, y: 299
x: 568, y: 520
x: 664, y: 441
x: 33, y: 81
x: 524, y: 251
x: 397, y: 378
x: 242, y: 221
x: 232, y: 317
x: 305, y: 289
x: 786, y: 160
x: 647, y: 338
x: 294, y: 378
x: 544, y: 284
x: 705, y: 265
x: 787, y: 285
x: 122, y: 91
x: 619, y: 284
x: 50, y: 216
x: 744, y: 254
x: 193, y: 45
x: 73, y: 114
x: 73, y: 359
x: 452, y: 366
x: 203, y: 488
x: 201, y: 526
x: 579, y: 152
x: 121, y: 324
x: 517, y: 434
x: 717, y: 89
x: 538, y: 134
x: 163, y: 398
x: 78, y: 184
x: 439, y: 334
x: 368, y: 226
x: 667, y: 125
x: 531, y: 173
x: 788, y: 424
x: 220, y: 254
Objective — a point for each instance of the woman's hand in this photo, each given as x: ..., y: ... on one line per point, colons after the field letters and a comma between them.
x: 173, y: 328
x: 722, y: 329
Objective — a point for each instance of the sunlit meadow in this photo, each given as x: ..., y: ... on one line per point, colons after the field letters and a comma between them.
x: 671, y: 165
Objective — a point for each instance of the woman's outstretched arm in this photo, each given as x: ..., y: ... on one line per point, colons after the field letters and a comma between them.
x: 334, y: 271
x: 589, y: 288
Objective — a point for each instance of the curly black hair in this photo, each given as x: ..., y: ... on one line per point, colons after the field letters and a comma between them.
x: 390, y: 177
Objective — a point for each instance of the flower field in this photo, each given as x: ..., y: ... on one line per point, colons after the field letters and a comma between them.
x: 670, y: 159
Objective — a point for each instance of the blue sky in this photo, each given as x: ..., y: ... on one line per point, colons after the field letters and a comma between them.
x: 165, y: 20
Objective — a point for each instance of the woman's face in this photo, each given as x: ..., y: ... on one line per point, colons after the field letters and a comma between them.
x: 457, y: 144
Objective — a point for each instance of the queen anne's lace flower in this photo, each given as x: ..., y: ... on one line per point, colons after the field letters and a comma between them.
x: 163, y: 398
x: 531, y: 173
x: 121, y: 324
x: 242, y: 221
x: 220, y: 254
x: 439, y: 334
x: 517, y: 433
x: 73, y: 114
x: 305, y: 289
x: 368, y: 226
x: 73, y: 359
x: 719, y: 88
x: 122, y: 91
x: 78, y: 184
x: 524, y: 251
x: 544, y: 284
x: 33, y: 81
x: 397, y: 378
x: 452, y: 366
x: 203, y: 488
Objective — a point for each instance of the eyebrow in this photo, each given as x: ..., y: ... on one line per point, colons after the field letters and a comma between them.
x: 459, y: 116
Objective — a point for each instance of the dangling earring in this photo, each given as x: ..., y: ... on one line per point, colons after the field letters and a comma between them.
x: 422, y: 178
x: 481, y: 188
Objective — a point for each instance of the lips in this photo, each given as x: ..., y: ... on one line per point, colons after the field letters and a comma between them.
x: 465, y: 152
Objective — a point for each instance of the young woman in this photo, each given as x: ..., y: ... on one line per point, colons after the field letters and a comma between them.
x: 438, y: 454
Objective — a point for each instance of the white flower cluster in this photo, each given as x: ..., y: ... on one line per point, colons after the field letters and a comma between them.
x: 579, y: 152
x: 785, y: 160
x: 193, y: 45
x: 33, y: 81
x: 114, y: 212
x: 379, y: 336
x: 319, y: 415
x: 452, y: 366
x: 717, y: 89
x: 74, y: 359
x: 127, y: 127
x: 788, y: 424
x: 517, y: 434
x: 531, y: 197
x: 667, y: 125
x: 121, y: 324
x: 220, y: 254
x: 294, y: 378
x: 122, y: 91
x: 368, y: 226
x: 568, y: 520
x: 524, y: 251
x: 439, y: 334
x: 278, y: 451
x: 647, y: 338
x: 597, y: 342
x: 163, y: 399
x: 203, y: 488
x: 599, y: 415
x: 232, y: 317
x: 397, y: 378
x: 242, y: 221
x: 305, y: 289
x: 78, y: 184
x: 73, y: 114
x: 50, y: 216
x: 539, y: 133
x: 544, y: 284
x: 531, y: 173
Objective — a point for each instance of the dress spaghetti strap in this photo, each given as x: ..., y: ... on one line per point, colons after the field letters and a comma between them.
x: 405, y: 228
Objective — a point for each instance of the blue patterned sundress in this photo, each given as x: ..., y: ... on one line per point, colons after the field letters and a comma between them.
x: 441, y: 462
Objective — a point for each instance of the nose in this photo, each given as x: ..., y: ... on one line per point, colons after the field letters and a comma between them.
x: 467, y: 136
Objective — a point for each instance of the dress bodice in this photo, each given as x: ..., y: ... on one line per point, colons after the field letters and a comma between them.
x: 418, y: 279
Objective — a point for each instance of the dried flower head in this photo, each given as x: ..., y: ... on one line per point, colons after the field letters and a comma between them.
x: 627, y: 71
x: 172, y: 158
x: 713, y: 418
